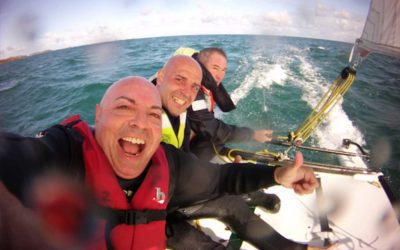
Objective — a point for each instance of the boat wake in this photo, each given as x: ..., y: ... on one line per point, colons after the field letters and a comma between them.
x: 263, y: 74
x: 338, y: 125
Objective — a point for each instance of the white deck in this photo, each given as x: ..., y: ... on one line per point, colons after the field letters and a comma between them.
x: 359, y: 213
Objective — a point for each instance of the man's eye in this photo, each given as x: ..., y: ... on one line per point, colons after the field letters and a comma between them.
x: 155, y: 115
x: 122, y: 107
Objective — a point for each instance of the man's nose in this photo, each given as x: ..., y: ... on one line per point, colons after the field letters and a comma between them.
x: 139, y: 120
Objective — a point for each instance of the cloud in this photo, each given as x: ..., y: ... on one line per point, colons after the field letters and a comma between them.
x: 281, y: 18
x: 11, y: 50
x: 146, y: 12
x: 315, y: 20
x: 343, y: 14
x: 91, y: 35
x: 323, y: 10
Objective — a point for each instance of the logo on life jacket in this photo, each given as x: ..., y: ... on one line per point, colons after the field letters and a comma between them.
x: 160, y: 196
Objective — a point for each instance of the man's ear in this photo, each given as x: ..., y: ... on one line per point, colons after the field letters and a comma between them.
x: 98, y: 113
x: 160, y: 75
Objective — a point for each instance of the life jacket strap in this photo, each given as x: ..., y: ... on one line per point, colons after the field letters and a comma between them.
x: 131, y: 217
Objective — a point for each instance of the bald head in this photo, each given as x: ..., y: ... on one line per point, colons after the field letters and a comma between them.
x: 178, y: 83
x: 128, y: 83
x: 128, y: 125
x: 178, y: 60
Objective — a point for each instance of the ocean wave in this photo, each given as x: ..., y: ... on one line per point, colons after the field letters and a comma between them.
x: 6, y: 85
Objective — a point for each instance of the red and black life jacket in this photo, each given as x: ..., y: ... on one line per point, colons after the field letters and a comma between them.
x: 209, y: 98
x: 139, y: 224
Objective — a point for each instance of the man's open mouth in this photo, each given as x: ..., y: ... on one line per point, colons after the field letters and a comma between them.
x: 131, y: 145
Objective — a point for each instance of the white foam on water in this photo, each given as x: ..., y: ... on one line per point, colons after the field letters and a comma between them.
x: 263, y: 75
x: 337, y: 125
x: 6, y: 85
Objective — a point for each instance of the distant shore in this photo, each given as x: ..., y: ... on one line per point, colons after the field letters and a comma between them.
x: 12, y: 59
x: 17, y: 58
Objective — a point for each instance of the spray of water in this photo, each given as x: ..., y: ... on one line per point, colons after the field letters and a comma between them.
x: 263, y: 76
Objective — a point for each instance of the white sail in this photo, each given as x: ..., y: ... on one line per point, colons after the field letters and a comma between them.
x: 381, y: 32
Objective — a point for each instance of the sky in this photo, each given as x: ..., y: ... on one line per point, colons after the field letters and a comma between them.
x: 31, y: 26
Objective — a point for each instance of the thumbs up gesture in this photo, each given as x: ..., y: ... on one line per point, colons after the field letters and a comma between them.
x: 296, y: 176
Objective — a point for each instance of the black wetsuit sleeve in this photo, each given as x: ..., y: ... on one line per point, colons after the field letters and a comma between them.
x: 205, y: 125
x: 23, y: 158
x: 197, y: 181
x: 186, y: 138
x: 223, y: 99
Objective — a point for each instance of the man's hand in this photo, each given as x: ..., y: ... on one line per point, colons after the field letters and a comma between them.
x: 237, y: 159
x: 20, y: 227
x: 263, y: 135
x: 296, y: 176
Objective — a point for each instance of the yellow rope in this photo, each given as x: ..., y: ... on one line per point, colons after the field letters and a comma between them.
x: 221, y: 157
x: 229, y: 157
x: 335, y: 93
x: 320, y: 112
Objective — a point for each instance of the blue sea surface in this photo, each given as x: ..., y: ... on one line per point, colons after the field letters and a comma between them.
x: 275, y: 82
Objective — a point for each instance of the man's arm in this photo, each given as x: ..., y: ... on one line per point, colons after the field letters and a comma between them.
x: 196, y: 181
x: 204, y: 124
x: 22, y: 158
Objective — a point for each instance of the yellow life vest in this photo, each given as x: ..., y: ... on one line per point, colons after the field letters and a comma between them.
x: 168, y: 134
x: 185, y: 51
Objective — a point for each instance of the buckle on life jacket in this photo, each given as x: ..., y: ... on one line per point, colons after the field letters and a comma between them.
x: 134, y: 217
x: 131, y: 217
